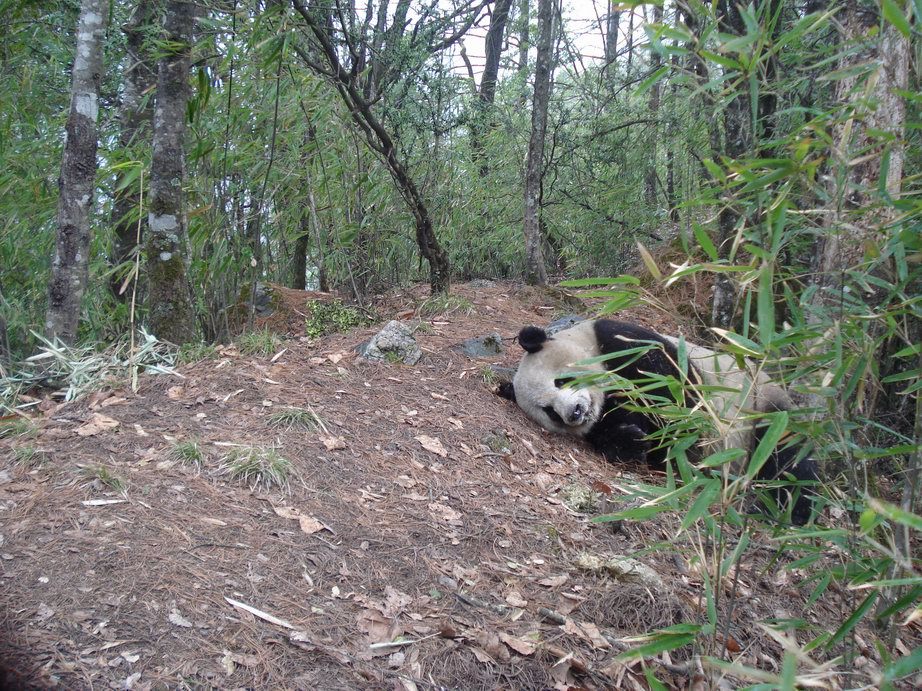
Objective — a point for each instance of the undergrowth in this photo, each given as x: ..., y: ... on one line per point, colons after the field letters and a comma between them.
x: 332, y: 317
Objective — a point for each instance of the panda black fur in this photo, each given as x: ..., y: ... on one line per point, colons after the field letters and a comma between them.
x: 613, y: 426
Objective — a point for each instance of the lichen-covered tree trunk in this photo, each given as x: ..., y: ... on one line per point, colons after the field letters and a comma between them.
x: 737, y: 142
x: 70, y: 267
x: 874, y: 128
x: 135, y: 114
x: 535, y: 271
x: 171, y: 316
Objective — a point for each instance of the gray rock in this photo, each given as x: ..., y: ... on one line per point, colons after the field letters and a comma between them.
x: 564, y: 322
x: 481, y: 346
x: 394, y: 342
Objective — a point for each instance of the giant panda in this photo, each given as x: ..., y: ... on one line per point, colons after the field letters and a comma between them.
x: 615, y: 356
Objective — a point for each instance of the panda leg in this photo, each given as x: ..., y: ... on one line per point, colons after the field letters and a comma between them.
x: 782, y: 464
x: 621, y: 436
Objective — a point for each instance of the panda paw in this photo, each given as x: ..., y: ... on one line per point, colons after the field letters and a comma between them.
x: 633, y: 433
x: 628, y: 443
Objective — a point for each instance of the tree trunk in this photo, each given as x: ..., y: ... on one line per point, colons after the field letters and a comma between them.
x: 653, y: 105
x: 482, y: 121
x: 535, y: 271
x: 494, y: 48
x: 524, y: 44
x: 70, y: 265
x: 134, y: 114
x: 379, y: 139
x: 612, y: 24
x: 171, y: 313
x: 630, y: 40
x: 737, y: 141
x: 4, y: 340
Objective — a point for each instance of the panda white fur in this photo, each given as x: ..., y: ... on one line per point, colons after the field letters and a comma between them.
x: 622, y: 430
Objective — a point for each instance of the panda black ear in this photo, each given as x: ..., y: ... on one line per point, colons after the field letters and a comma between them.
x: 531, y: 338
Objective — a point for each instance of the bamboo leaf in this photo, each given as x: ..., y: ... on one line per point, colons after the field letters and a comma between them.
x: 853, y: 620
x: 895, y: 513
x: 765, y: 310
x: 894, y: 14
x: 704, y: 242
x: 767, y: 444
x: 648, y: 261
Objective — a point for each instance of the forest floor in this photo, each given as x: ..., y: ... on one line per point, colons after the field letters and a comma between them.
x: 428, y: 537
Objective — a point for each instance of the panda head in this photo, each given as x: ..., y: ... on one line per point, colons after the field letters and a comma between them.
x: 542, y: 386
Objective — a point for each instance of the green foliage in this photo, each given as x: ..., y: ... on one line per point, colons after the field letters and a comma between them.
x: 78, y: 370
x: 257, y: 466
x: 332, y: 317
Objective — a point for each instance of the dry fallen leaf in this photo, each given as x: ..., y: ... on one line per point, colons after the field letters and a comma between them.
x: 179, y: 620
x: 333, y: 443
x: 517, y: 644
x: 515, y: 599
x: 395, y: 601
x: 553, y: 581
x: 591, y: 633
x: 310, y: 525
x: 432, y: 444
x: 373, y: 624
x: 489, y: 641
x: 444, y: 512
x: 96, y: 424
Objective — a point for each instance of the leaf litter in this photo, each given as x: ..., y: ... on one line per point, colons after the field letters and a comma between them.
x: 404, y: 552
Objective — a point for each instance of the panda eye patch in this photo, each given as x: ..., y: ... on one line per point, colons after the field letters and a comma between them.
x: 551, y: 413
x: 560, y: 382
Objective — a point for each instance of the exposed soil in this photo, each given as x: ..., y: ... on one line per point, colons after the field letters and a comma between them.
x: 423, y: 530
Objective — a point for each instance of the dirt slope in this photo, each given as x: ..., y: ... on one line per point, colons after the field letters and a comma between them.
x: 428, y: 512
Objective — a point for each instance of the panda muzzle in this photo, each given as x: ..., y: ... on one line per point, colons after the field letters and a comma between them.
x: 577, y: 414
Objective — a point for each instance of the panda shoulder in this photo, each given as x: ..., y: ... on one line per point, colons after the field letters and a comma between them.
x: 612, y: 334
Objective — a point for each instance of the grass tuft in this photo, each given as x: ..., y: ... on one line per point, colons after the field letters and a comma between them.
x: 104, y: 476
x: 193, y: 352
x: 28, y: 456
x: 189, y: 453
x: 17, y: 426
x: 259, y: 342
x: 257, y: 466
x: 304, y: 418
x: 445, y: 304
